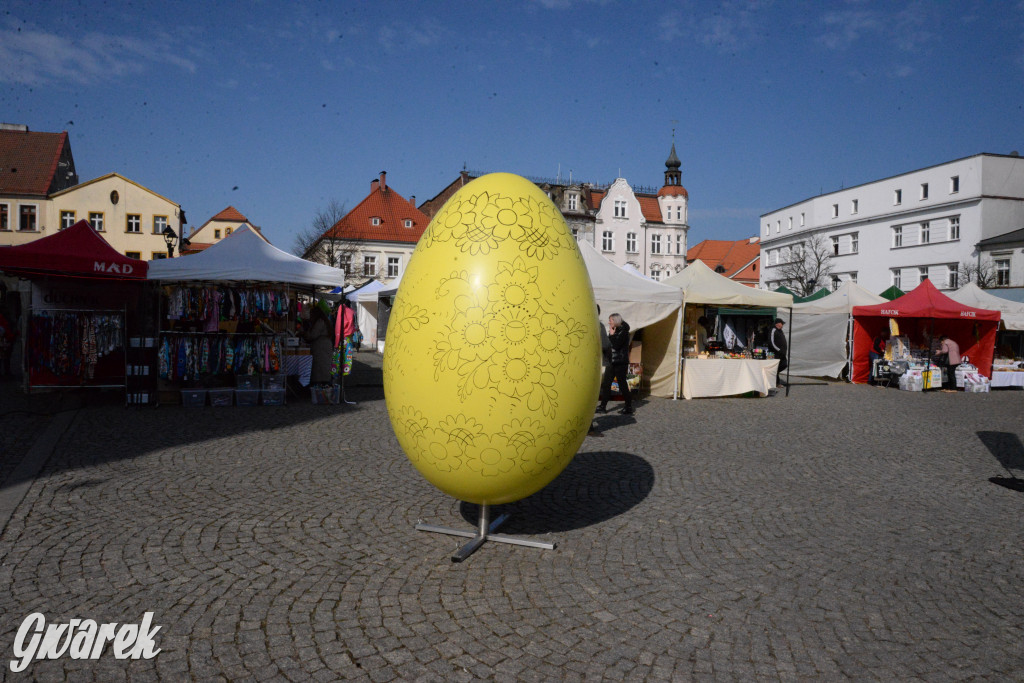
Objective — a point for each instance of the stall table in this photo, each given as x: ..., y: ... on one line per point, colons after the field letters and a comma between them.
x: 1007, y: 378
x: 704, y: 377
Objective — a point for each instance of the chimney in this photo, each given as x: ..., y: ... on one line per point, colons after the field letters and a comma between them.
x: 383, y: 181
x: 412, y: 200
x: 374, y: 184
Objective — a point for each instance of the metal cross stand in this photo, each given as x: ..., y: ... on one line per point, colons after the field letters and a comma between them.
x: 484, y: 533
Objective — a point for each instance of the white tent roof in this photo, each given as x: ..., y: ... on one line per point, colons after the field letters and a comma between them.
x: 633, y: 270
x: 639, y: 301
x: 701, y: 285
x: 842, y: 300
x: 369, y: 292
x: 972, y: 295
x: 244, y: 256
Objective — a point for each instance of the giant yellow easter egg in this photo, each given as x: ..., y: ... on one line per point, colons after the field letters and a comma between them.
x: 492, y: 355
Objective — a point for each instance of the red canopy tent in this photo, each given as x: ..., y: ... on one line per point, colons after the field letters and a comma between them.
x: 926, y: 311
x: 75, y: 252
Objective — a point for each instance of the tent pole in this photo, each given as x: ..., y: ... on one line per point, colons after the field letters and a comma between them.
x: 789, y: 348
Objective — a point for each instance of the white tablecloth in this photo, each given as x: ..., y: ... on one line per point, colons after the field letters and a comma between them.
x: 727, y: 376
x: 299, y: 365
x: 1007, y: 379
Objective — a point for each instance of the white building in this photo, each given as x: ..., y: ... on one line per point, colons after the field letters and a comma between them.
x: 916, y: 225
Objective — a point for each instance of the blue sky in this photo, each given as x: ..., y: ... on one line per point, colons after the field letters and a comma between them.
x: 277, y: 108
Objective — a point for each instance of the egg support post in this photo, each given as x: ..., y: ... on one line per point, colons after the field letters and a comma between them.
x: 485, y: 527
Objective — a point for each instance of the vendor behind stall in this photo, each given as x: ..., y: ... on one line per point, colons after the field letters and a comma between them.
x: 948, y: 356
x: 320, y: 334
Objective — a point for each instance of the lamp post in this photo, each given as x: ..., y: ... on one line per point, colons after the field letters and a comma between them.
x: 170, y: 237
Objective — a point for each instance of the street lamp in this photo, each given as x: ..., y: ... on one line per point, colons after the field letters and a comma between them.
x: 170, y: 237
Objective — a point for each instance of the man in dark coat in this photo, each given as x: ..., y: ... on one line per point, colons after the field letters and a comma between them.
x: 618, y: 336
x: 777, y: 341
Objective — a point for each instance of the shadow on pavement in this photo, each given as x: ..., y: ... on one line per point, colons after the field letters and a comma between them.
x: 594, y: 487
x: 1008, y: 450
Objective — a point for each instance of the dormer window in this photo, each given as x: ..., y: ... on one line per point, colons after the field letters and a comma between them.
x: 572, y: 202
x: 375, y: 221
x: 408, y: 222
x: 216, y: 234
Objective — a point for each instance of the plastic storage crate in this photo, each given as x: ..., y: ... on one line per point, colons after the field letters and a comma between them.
x: 272, y: 397
x: 193, y: 398
x: 247, y: 382
x: 221, y: 397
x: 325, y: 395
x: 273, y: 382
x: 247, y: 397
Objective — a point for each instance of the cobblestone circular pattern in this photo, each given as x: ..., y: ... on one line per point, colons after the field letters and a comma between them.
x: 845, y: 531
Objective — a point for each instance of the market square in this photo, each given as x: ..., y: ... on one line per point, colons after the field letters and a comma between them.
x: 845, y: 531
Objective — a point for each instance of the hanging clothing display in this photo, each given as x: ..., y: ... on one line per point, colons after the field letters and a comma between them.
x: 213, y: 304
x: 189, y: 356
x: 71, y: 343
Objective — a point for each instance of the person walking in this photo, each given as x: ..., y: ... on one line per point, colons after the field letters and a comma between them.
x: 777, y: 341
x: 618, y: 338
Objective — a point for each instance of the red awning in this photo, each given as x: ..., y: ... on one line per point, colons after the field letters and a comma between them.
x: 75, y: 252
x: 925, y: 301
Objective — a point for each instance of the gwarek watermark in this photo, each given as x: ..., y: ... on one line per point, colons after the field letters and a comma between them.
x: 82, y: 639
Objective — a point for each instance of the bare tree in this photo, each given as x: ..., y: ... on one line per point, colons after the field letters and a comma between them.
x: 981, y: 272
x: 314, y: 243
x: 809, y: 266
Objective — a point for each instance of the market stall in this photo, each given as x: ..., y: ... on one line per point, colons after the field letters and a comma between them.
x: 369, y: 308
x: 227, y: 317
x: 640, y: 301
x: 85, y: 299
x: 740, y: 362
x: 920, y: 317
x: 822, y: 331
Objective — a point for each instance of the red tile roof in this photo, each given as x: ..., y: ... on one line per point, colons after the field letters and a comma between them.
x: 28, y: 161
x: 391, y: 208
x: 230, y: 214
x: 739, y: 258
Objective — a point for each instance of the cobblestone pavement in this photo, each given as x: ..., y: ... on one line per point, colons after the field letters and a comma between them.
x: 842, y: 532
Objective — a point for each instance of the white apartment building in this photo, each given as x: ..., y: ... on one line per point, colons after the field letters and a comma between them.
x: 912, y: 226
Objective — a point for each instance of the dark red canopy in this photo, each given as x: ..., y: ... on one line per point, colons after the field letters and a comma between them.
x: 75, y: 252
x: 926, y: 310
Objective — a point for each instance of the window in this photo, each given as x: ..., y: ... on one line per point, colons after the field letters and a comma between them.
x: 926, y: 232
x: 773, y: 257
x: 853, y: 278
x: 227, y: 231
x: 895, y: 277
x: 802, y: 220
x: 607, y: 241
x: 798, y: 251
x: 159, y: 224
x: 679, y: 244
x: 157, y: 255
x: 922, y: 273
x: 924, y: 190
x: 133, y: 254
x: 620, y: 208
x: 835, y: 211
x: 679, y: 212
x: 573, y: 200
x: 789, y: 226
x: 897, y: 235
x: 784, y: 255
x: 1002, y: 272
x: 630, y: 243
x: 408, y: 222
x: 374, y: 221
x: 96, y: 221
x: 576, y: 234
x: 952, y: 275
x: 655, y: 273
x: 345, y: 263
x: 854, y: 243
x: 393, y: 266
x: 854, y: 205
x: 370, y: 266
x: 5, y: 223
x: 954, y: 228
x: 27, y: 217
x: 767, y: 229
x: 778, y: 227
x: 655, y: 244
x: 835, y: 246
x: 133, y: 223
x: 954, y: 184
x: 67, y: 219
x: 216, y: 234
x: 897, y: 197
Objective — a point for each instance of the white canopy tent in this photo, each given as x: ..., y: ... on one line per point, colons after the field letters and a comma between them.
x: 703, y: 286
x: 640, y: 302
x: 973, y: 295
x: 244, y: 256
x: 366, y: 301
x: 633, y: 270
x: 820, y: 334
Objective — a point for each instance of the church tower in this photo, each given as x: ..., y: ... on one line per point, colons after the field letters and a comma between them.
x: 673, y: 199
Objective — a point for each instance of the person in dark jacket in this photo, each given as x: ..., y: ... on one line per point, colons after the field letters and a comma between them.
x: 777, y: 342
x: 618, y: 336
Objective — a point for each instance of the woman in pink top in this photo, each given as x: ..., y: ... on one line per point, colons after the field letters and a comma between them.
x: 948, y: 355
